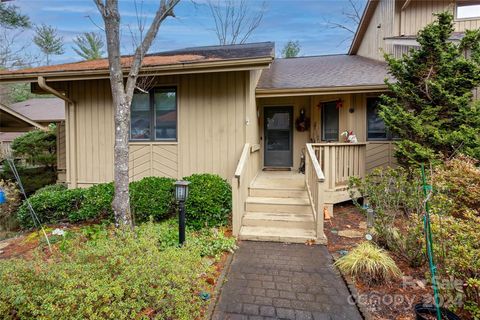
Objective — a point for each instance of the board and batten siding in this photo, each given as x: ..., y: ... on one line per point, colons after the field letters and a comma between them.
x: 211, y: 129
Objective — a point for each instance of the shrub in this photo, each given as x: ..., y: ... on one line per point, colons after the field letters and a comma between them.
x: 152, y: 196
x: 96, y: 203
x: 32, y: 178
x: 8, y: 220
x: 209, y: 202
x: 38, y: 147
x: 457, y: 245
x: 122, y: 275
x: 51, y: 206
x: 369, y: 263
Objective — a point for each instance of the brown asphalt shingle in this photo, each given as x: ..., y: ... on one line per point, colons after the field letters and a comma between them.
x: 323, y: 72
x: 41, y: 109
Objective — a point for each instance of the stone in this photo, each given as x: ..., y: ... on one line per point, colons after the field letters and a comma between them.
x: 350, y: 234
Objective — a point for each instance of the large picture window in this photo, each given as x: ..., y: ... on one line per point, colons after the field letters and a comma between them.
x: 330, y: 121
x: 376, y: 129
x: 154, y: 115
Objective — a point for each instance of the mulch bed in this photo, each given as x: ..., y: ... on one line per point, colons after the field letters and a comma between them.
x: 393, y: 301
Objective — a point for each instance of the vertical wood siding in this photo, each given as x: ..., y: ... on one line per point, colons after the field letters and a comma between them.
x: 380, y: 154
x: 211, y: 129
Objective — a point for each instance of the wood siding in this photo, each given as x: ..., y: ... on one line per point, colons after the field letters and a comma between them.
x: 380, y: 154
x: 211, y: 129
x: 389, y: 20
x: 61, y: 147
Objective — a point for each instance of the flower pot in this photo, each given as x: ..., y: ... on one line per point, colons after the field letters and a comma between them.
x: 421, y: 310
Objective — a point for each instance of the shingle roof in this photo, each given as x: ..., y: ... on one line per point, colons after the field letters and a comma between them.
x: 323, y: 72
x: 41, y: 109
x: 9, y: 136
x: 182, y: 56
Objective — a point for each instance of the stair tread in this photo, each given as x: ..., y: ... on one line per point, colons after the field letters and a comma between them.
x: 280, y: 187
x: 279, y: 201
x: 279, y: 216
x: 300, y: 233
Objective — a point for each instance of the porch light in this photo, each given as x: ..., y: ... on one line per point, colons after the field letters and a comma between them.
x: 181, y: 190
x: 181, y: 194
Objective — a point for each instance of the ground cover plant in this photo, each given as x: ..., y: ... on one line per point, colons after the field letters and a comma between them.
x: 100, y: 272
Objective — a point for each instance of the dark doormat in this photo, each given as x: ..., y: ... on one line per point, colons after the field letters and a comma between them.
x: 277, y: 169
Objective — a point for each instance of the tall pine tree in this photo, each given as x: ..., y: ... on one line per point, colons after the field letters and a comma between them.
x: 431, y: 107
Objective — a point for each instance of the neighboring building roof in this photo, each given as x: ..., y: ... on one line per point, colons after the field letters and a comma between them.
x: 41, y: 109
x: 455, y: 36
x: 363, y: 25
x: 169, y: 60
x: 9, y: 136
x: 330, y: 72
x: 14, y: 121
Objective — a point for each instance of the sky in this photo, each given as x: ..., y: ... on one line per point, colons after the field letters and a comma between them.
x: 284, y: 20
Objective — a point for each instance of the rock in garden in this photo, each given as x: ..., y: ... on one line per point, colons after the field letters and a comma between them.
x: 350, y: 234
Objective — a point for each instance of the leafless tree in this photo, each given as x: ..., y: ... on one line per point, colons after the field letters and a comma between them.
x: 122, y: 93
x: 234, y: 20
x: 351, y: 16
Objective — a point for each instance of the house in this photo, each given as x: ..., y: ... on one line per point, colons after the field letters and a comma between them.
x: 41, y: 112
x: 238, y: 112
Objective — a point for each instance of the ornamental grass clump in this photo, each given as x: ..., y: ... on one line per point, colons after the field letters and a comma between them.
x: 369, y: 263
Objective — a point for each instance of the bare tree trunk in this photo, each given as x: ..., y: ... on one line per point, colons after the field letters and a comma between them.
x: 122, y: 95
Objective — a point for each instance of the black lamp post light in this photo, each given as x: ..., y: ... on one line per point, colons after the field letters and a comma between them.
x: 181, y: 195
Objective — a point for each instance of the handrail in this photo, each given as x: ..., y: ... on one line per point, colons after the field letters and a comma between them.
x: 333, y: 144
x: 243, y: 161
x: 315, y: 163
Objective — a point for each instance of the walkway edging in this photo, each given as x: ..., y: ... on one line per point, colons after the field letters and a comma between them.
x: 218, y: 287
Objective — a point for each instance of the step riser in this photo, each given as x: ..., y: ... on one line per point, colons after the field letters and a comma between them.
x: 277, y: 223
x: 279, y: 193
x: 273, y: 238
x: 287, y: 208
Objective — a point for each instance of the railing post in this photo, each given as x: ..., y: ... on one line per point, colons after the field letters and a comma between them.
x: 236, y: 213
x: 320, y: 215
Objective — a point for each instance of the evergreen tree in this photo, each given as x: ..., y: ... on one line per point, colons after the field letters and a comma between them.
x: 12, y: 18
x: 431, y: 107
x: 291, y: 49
x: 89, y: 46
x: 49, y: 42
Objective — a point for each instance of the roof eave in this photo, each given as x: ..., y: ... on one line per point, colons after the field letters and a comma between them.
x: 21, y: 118
x: 178, y: 68
x: 362, y: 26
x: 288, y: 92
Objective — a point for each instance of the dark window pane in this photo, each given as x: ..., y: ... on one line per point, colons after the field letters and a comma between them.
x: 165, y: 114
x: 140, y: 117
x: 278, y: 140
x: 330, y: 121
x: 375, y: 125
x: 279, y: 120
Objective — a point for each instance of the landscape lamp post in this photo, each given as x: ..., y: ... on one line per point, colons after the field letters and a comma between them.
x: 181, y: 195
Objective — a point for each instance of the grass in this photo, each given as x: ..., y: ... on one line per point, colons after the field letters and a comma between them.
x: 369, y: 263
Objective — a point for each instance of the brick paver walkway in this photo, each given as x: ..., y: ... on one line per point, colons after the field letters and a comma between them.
x: 283, y: 281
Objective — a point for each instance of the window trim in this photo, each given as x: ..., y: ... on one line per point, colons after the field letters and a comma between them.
x: 465, y: 4
x: 152, y: 111
x: 322, y: 133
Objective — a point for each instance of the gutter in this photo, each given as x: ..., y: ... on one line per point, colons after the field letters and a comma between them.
x: 289, y: 92
x: 70, y: 119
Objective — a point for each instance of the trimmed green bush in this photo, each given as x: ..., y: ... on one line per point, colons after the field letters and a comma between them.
x: 209, y: 202
x: 152, y: 196
x: 32, y: 178
x: 51, y: 206
x: 96, y: 203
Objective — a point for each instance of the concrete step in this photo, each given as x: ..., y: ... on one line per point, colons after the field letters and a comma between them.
x: 278, y: 220
x: 278, y: 192
x: 292, y: 235
x: 270, y: 204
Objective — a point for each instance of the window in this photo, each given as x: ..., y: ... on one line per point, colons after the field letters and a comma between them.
x: 330, y: 121
x: 467, y: 9
x: 154, y: 115
x: 376, y: 129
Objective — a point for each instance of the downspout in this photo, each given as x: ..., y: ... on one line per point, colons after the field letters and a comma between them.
x: 72, y: 171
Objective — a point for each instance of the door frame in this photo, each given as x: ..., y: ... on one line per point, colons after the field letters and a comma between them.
x: 290, y: 109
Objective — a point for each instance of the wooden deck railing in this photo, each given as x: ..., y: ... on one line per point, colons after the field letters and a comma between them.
x: 315, y: 183
x: 340, y: 161
x: 247, y: 169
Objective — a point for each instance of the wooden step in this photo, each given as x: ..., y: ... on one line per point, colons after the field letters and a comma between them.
x: 278, y: 219
x: 278, y: 192
x: 292, y: 235
x: 269, y: 204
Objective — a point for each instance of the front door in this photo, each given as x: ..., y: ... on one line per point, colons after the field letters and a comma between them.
x: 278, y: 128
